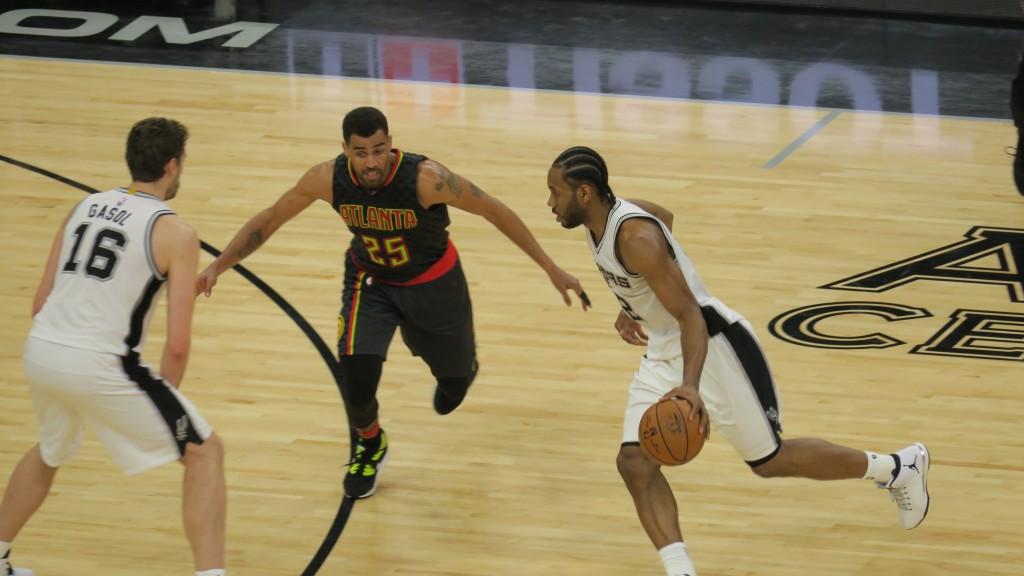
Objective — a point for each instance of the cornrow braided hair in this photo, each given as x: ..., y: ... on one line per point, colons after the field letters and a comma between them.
x: 581, y: 164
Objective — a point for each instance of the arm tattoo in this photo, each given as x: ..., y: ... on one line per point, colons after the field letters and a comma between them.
x: 454, y: 183
x: 255, y: 239
x: 476, y: 191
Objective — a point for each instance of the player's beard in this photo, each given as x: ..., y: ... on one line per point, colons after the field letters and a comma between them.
x: 573, y: 216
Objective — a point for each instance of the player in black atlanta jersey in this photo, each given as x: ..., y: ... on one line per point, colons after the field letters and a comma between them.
x: 401, y: 271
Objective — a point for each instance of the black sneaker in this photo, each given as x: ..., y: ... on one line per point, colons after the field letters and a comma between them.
x: 364, y: 470
x: 447, y: 399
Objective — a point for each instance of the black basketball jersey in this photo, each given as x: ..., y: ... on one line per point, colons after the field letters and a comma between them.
x: 393, y: 237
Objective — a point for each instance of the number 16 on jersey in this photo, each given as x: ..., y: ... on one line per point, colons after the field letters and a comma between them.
x: 102, y: 257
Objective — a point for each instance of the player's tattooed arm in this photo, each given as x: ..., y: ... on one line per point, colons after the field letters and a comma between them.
x: 315, y: 184
x: 255, y: 241
x: 437, y: 184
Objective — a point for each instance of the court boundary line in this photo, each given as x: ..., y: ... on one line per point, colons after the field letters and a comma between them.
x: 511, y: 88
x: 345, y: 508
x: 801, y: 140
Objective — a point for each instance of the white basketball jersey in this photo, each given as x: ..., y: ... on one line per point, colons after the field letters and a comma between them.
x: 106, y: 280
x: 634, y: 293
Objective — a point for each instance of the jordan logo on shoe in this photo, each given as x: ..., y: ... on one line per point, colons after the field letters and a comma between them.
x: 914, y: 465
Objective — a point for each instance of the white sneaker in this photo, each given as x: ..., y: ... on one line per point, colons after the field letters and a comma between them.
x: 909, y: 488
x: 7, y: 570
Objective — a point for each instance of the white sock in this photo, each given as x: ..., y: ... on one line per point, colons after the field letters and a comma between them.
x: 5, y: 547
x: 880, y: 467
x: 676, y: 561
x: 214, y: 572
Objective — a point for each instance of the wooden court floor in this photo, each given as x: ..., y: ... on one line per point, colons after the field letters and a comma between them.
x: 521, y: 479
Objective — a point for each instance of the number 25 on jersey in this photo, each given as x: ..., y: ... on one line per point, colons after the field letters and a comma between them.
x: 390, y: 251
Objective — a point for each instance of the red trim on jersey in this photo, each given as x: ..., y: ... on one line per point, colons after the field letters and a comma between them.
x: 394, y: 167
x: 436, y: 270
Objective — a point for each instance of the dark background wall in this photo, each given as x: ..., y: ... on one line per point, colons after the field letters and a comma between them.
x: 1008, y: 10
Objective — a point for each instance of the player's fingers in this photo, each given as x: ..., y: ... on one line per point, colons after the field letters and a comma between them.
x: 694, y: 413
x: 583, y: 297
x: 676, y: 392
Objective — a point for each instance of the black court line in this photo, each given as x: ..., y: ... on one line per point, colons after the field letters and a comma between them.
x: 345, y: 509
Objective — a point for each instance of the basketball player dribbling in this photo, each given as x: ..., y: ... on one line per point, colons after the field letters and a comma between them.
x: 700, y: 350
x: 110, y: 260
x: 401, y: 272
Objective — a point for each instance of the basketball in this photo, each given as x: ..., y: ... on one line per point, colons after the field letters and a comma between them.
x: 667, y: 435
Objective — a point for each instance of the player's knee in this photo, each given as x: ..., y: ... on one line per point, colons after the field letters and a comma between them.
x: 455, y: 386
x: 766, y: 470
x: 633, y: 465
x: 46, y: 462
x: 459, y: 383
x: 360, y: 375
x: 774, y: 467
x: 211, y: 450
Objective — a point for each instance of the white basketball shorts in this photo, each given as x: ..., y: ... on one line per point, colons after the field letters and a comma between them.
x: 736, y: 386
x: 142, y: 421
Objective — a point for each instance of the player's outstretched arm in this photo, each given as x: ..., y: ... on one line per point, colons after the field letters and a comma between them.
x: 176, y: 254
x: 314, y: 184
x: 436, y: 184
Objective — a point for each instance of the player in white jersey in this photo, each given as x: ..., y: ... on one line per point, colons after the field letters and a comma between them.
x: 700, y: 350
x: 109, y: 262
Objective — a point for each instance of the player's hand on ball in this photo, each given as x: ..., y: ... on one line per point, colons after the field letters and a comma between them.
x: 692, y: 396
x: 630, y: 330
